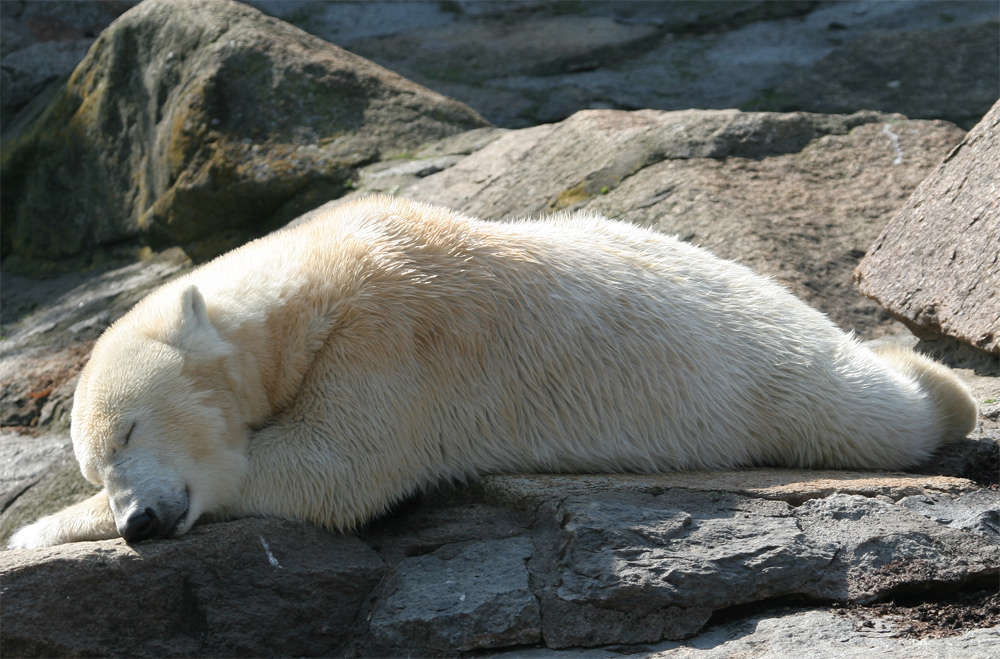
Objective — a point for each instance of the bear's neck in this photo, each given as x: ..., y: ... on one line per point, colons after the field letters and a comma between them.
x: 273, y: 352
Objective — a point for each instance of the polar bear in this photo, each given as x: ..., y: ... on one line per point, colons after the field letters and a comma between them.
x: 326, y: 371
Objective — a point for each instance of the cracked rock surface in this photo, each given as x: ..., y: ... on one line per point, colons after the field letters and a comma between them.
x: 559, y: 562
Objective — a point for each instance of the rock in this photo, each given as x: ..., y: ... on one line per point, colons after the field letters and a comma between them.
x: 25, y: 461
x: 558, y: 561
x: 468, y: 597
x: 42, y: 43
x: 26, y: 23
x: 883, y: 549
x: 778, y: 634
x: 978, y: 512
x: 253, y: 588
x: 899, y: 72
x: 484, y: 48
x: 638, y: 568
x: 203, y: 130
x: 796, y: 196
x: 678, y: 55
x: 50, y: 482
x: 524, y: 63
x: 28, y: 71
x: 946, y: 237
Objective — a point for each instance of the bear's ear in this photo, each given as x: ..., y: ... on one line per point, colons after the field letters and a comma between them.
x: 194, y: 311
x: 193, y: 329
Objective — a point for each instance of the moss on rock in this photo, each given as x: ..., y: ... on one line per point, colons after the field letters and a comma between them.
x: 202, y: 125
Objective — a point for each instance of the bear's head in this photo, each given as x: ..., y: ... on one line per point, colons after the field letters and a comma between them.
x: 155, y: 417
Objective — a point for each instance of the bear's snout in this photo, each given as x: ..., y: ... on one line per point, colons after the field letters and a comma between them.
x: 141, y: 526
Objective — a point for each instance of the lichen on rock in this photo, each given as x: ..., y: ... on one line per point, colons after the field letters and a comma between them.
x: 203, y: 125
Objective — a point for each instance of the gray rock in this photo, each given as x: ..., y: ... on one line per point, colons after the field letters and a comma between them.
x: 637, y: 569
x: 203, y: 129
x: 564, y: 561
x: 947, y: 235
x: 884, y: 548
x: 679, y: 55
x: 24, y: 460
x: 525, y: 62
x: 25, y: 73
x: 978, y: 512
x: 40, y: 486
x: 248, y: 588
x: 810, y: 633
x: 461, y: 597
x: 895, y: 71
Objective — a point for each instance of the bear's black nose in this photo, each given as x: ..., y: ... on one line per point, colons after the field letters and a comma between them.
x: 141, y: 526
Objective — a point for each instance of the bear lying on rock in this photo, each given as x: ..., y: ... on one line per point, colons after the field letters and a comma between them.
x: 326, y: 371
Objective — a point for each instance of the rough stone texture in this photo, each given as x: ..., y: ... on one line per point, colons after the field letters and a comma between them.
x: 883, y: 548
x: 637, y: 569
x: 203, y: 125
x: 469, y: 571
x: 525, y: 62
x: 978, y: 511
x: 465, y: 597
x: 810, y: 633
x: 253, y: 588
x: 902, y: 72
x: 43, y: 491
x: 539, y: 62
x: 936, y: 265
x: 24, y: 461
x: 796, y: 196
x: 27, y: 72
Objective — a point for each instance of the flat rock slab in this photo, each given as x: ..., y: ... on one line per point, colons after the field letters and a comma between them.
x: 25, y: 460
x: 936, y: 266
x: 794, y: 486
x: 559, y: 562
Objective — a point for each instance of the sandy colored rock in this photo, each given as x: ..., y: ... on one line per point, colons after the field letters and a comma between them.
x: 794, y: 486
x: 936, y: 266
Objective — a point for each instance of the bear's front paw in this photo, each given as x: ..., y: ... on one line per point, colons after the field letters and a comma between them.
x: 43, y: 533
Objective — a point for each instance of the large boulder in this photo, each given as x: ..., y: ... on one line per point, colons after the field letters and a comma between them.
x: 936, y: 266
x: 203, y: 124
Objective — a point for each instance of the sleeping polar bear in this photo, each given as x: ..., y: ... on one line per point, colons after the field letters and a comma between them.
x: 326, y: 371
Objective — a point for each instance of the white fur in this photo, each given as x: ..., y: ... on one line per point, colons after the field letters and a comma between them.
x: 325, y: 371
